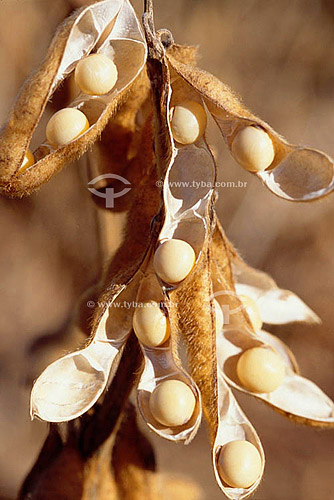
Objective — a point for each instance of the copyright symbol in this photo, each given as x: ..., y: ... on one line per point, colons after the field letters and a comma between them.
x: 90, y: 304
x: 159, y: 183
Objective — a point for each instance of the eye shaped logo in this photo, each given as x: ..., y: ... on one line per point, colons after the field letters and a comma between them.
x: 227, y: 310
x: 109, y: 193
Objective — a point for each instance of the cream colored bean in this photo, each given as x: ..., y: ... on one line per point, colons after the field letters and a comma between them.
x: 96, y: 74
x: 188, y: 122
x: 260, y: 370
x: 252, y: 311
x: 239, y: 464
x: 172, y: 403
x: 28, y: 161
x: 150, y: 324
x: 253, y: 149
x: 65, y: 126
x: 173, y: 260
x: 219, y: 316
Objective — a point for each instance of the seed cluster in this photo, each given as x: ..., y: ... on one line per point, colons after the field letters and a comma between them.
x: 94, y: 75
x: 188, y: 257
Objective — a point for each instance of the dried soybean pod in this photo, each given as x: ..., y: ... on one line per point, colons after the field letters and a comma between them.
x: 174, y: 415
x: 188, y: 216
x: 107, y: 338
x: 296, y: 397
x: 78, y: 379
x: 233, y: 425
x: 78, y: 36
x: 276, y: 306
x: 296, y: 173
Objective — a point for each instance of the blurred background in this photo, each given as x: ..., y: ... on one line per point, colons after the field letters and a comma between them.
x: 279, y: 56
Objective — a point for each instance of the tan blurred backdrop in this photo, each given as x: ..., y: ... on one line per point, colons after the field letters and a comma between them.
x: 279, y: 56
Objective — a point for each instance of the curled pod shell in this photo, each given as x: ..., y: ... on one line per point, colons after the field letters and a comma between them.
x: 186, y: 211
x: 188, y: 196
x: 296, y: 397
x: 233, y: 425
x: 109, y: 27
x: 276, y: 306
x: 295, y: 173
x: 71, y: 385
x: 160, y: 366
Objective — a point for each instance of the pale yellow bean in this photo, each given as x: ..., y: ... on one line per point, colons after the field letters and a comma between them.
x: 96, y: 74
x: 253, y: 149
x: 260, y: 370
x: 173, y: 260
x: 239, y: 464
x: 28, y: 161
x: 172, y: 403
x: 150, y: 324
x: 188, y: 122
x: 65, y: 126
x: 252, y: 311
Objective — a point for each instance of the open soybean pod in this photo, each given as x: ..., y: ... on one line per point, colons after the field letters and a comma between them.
x: 274, y: 305
x: 109, y: 28
x: 292, y: 172
x: 244, y: 362
x: 168, y: 398
x: 233, y: 426
x: 71, y: 385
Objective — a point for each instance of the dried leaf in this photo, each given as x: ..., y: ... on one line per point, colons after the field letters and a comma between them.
x: 111, y: 28
x: 296, y: 173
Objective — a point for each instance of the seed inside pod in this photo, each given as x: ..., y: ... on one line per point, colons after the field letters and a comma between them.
x: 172, y: 403
x: 150, y: 324
x: 252, y: 311
x: 253, y: 149
x: 188, y: 122
x: 260, y: 370
x: 239, y: 464
x: 65, y: 126
x: 96, y: 74
x: 28, y: 160
x: 219, y: 316
x: 173, y: 260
